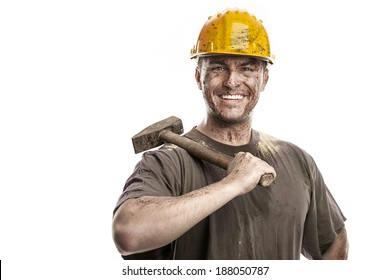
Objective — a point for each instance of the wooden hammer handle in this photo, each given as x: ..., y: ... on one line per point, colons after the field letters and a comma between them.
x: 205, y: 153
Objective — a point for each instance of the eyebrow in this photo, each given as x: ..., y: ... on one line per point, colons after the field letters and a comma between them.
x: 249, y: 61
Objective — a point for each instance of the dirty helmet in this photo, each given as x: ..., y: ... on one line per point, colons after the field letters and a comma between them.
x: 236, y: 32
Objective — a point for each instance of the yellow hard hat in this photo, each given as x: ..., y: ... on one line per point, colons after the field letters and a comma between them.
x: 236, y: 32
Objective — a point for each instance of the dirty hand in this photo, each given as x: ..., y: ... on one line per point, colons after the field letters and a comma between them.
x: 245, y: 170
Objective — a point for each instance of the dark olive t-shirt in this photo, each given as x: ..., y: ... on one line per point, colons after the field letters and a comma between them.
x: 296, y: 214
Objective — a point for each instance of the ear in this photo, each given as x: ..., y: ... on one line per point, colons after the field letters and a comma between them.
x: 197, y: 78
x: 264, y: 80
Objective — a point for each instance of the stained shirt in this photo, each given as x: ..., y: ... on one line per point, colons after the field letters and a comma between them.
x: 295, y: 214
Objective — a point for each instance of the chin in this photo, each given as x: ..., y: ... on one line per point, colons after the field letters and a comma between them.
x: 234, y: 119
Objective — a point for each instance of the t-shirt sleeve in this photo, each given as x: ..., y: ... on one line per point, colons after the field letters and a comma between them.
x: 324, y: 218
x: 155, y: 175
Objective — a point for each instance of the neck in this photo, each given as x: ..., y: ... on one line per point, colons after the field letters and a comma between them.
x: 234, y: 134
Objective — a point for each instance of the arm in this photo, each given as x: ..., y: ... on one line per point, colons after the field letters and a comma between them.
x: 338, y: 250
x: 147, y: 223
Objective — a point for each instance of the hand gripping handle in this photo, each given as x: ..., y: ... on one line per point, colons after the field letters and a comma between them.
x: 205, y: 153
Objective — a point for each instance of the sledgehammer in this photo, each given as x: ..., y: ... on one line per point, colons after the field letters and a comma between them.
x: 169, y: 130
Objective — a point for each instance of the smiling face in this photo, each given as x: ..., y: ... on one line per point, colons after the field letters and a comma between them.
x: 231, y: 86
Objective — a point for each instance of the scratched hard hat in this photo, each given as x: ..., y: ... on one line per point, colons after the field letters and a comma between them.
x: 233, y: 31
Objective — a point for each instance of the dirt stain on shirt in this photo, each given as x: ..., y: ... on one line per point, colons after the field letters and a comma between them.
x: 267, y: 145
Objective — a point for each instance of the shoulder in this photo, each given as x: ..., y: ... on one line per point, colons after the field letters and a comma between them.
x: 269, y: 145
x: 168, y: 153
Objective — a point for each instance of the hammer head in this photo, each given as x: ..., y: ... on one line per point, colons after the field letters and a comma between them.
x: 150, y: 137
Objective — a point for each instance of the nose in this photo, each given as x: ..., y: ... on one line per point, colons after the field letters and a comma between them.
x: 233, y: 80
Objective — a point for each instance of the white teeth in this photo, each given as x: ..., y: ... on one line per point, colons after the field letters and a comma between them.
x: 233, y: 97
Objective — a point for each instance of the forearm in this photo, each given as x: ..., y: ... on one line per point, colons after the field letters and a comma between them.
x: 147, y: 223
x: 339, y: 248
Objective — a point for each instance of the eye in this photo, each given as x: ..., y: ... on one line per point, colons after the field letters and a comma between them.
x: 218, y: 68
x: 248, y: 69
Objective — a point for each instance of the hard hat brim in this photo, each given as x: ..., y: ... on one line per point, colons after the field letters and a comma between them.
x: 204, y: 54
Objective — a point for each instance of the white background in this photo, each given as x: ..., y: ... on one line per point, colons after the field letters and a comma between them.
x: 79, y: 78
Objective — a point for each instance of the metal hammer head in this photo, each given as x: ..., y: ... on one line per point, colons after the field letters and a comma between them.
x: 150, y: 137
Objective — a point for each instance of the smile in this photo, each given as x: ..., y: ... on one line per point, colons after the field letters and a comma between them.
x: 232, y: 97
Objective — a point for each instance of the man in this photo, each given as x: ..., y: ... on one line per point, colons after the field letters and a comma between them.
x: 175, y: 206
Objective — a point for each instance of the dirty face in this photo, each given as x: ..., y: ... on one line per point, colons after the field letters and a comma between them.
x: 231, y: 86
